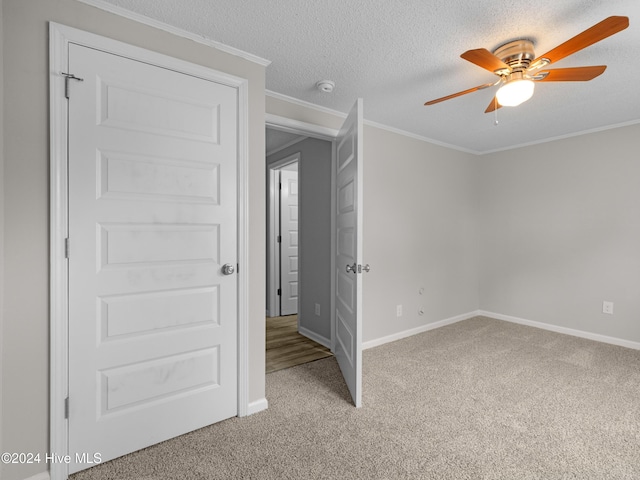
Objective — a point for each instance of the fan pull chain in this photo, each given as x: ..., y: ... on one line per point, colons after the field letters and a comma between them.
x: 495, y: 111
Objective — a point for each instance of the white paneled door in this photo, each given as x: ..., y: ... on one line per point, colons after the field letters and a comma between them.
x: 348, y: 296
x: 152, y: 223
x: 289, y: 242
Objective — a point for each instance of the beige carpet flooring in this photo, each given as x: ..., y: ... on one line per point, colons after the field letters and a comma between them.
x: 480, y: 399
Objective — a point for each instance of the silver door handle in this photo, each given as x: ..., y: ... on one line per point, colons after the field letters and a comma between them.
x: 351, y: 268
x: 227, y: 269
x: 366, y: 268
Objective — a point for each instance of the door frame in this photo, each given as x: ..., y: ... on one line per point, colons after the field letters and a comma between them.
x: 273, y: 227
x: 289, y: 125
x: 60, y: 36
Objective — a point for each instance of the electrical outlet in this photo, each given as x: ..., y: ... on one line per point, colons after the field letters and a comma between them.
x: 317, y: 309
x: 398, y: 310
x: 607, y: 307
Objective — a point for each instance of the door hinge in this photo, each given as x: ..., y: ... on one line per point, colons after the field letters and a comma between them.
x: 279, y: 291
x: 66, y: 247
x: 280, y: 186
x: 67, y: 77
x: 279, y: 238
x: 66, y: 407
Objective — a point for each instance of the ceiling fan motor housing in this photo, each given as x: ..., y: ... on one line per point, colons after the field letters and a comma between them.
x: 517, y: 54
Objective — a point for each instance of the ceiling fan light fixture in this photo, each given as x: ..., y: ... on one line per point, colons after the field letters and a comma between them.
x: 515, y: 92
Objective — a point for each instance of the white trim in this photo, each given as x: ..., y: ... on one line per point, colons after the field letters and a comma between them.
x: 325, y: 342
x: 421, y: 138
x: 243, y: 247
x: 40, y: 476
x: 58, y: 228
x: 257, y: 406
x: 421, y: 329
x: 564, y: 330
x: 285, y: 124
x: 506, y: 318
x: 303, y: 103
x: 136, y: 17
x: 562, y: 137
x: 334, y: 203
x: 60, y: 37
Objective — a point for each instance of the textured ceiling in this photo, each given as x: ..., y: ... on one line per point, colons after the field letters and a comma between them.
x: 397, y: 54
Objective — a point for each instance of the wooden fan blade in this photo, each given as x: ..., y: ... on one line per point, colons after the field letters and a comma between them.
x: 599, y: 31
x: 448, y: 97
x: 494, y: 105
x: 577, y: 74
x: 485, y: 59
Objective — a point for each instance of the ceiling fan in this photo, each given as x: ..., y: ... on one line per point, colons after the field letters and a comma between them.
x: 518, y: 67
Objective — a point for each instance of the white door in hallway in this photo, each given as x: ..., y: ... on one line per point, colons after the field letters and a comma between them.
x: 152, y: 221
x: 348, y: 295
x: 289, y: 242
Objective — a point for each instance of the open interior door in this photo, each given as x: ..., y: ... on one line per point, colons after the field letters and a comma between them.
x: 348, y: 281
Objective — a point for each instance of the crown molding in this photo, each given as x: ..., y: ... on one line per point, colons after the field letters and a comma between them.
x: 136, y: 17
x: 304, y: 103
x: 563, y: 137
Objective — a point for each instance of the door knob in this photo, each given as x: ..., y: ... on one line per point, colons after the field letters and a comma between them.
x: 366, y: 268
x: 227, y: 269
x: 351, y: 268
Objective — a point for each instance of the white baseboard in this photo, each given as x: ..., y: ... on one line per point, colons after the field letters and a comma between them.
x: 567, y: 331
x: 257, y: 406
x: 421, y: 329
x: 39, y: 476
x: 325, y: 342
x: 507, y: 318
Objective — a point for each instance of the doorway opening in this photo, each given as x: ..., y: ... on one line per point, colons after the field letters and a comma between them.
x: 298, y: 296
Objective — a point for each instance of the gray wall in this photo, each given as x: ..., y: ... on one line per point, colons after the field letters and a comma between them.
x: 25, y: 361
x: 420, y: 215
x: 560, y: 233
x: 315, y: 232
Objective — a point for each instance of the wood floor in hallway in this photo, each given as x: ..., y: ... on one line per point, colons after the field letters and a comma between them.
x: 287, y: 348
